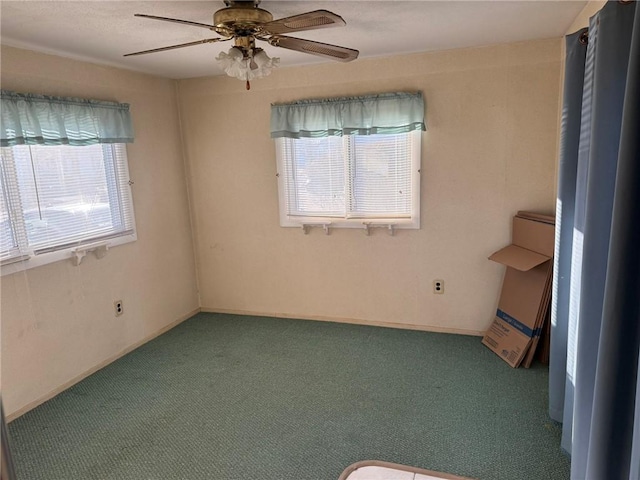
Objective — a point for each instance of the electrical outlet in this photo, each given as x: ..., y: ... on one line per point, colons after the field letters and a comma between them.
x: 117, y: 306
x: 438, y: 286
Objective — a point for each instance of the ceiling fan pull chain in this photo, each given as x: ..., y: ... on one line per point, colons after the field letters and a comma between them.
x: 248, y: 85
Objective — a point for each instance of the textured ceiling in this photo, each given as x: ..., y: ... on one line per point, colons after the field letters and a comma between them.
x: 102, y: 31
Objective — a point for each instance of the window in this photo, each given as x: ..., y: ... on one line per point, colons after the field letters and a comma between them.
x: 64, y: 180
x: 350, y: 180
x: 349, y: 162
x: 56, y: 197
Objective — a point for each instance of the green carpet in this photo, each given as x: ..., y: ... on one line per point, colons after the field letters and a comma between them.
x: 233, y: 397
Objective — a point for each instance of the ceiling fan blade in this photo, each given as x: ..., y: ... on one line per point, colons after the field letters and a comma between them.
x: 175, y: 20
x: 304, y: 21
x: 162, y: 49
x: 335, y: 52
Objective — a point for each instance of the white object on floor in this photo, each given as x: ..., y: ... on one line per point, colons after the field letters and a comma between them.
x: 378, y: 470
x: 384, y: 473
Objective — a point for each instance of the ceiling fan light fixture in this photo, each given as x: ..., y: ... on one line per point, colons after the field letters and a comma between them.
x: 264, y: 62
x: 246, y: 64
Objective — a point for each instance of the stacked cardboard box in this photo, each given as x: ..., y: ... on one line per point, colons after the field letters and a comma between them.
x: 525, y: 298
x: 544, y: 348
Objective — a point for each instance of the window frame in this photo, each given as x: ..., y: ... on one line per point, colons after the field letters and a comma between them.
x: 302, y: 221
x: 44, y: 255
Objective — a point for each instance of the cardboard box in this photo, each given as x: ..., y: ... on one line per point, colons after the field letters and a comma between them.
x: 526, y: 289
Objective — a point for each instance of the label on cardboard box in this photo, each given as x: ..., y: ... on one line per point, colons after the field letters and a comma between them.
x: 507, y: 341
x: 505, y: 317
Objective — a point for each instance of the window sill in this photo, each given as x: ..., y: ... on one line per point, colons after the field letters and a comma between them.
x: 73, y: 254
x: 328, y: 224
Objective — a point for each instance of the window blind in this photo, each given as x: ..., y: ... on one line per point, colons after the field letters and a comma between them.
x: 315, y: 175
x: 63, y: 196
x: 381, y: 176
x: 351, y: 177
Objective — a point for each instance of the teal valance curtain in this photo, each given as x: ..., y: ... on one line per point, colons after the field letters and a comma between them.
x: 28, y: 119
x: 383, y: 114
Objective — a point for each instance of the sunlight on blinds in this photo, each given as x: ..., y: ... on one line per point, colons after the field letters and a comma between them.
x: 315, y: 176
x: 68, y: 195
x: 381, y: 176
x: 353, y: 177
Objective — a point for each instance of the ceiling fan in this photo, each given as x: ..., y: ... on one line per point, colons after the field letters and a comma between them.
x: 244, y: 23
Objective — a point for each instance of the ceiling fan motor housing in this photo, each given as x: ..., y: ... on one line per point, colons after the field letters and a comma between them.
x: 241, y: 18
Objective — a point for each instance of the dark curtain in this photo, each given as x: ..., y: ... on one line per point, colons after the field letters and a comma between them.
x: 594, y: 370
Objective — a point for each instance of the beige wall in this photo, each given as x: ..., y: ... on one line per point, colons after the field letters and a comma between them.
x: 58, y: 320
x: 490, y: 150
x: 582, y: 20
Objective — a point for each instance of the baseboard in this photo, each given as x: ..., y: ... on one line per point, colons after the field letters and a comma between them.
x: 48, y: 396
x: 356, y: 321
